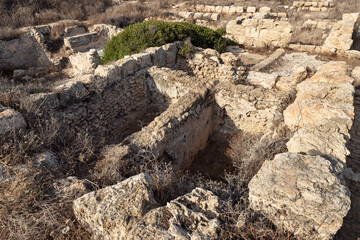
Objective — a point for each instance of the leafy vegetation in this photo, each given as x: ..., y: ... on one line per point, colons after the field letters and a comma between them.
x: 140, y: 36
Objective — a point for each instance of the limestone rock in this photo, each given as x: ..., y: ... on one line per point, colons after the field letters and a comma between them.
x: 340, y: 36
x: 10, y: 120
x: 259, y: 33
x: 45, y: 100
x: 326, y: 95
x: 84, y: 63
x: 22, y: 52
x: 127, y: 211
x: 105, y: 30
x: 308, y: 112
x: 264, y: 80
x: 230, y: 59
x: 285, y: 84
x: 337, y: 92
x: 71, y: 90
x: 83, y: 42
x: 112, y: 208
x: 326, y: 139
x: 356, y: 75
x: 299, y: 74
x: 304, y: 194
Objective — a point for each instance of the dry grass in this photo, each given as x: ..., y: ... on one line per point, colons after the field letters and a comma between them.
x: 28, y: 207
x: 18, y: 14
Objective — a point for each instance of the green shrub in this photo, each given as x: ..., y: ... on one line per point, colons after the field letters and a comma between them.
x: 221, y: 31
x: 140, y: 36
x: 186, y: 50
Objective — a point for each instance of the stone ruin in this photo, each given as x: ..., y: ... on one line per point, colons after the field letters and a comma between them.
x: 185, y: 104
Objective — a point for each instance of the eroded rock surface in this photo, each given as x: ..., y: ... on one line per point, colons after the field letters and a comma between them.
x: 328, y: 94
x: 128, y: 210
x: 328, y: 138
x: 305, y: 194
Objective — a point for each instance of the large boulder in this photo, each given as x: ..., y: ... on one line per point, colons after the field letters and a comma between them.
x: 309, y: 112
x: 327, y: 138
x: 304, y: 194
x: 326, y: 95
x: 10, y: 120
x: 127, y: 211
x: 22, y: 52
x: 108, y: 211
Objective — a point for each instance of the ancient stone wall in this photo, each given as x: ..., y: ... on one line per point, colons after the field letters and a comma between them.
x: 23, y: 52
x: 111, y: 98
x: 315, y: 6
x: 260, y: 32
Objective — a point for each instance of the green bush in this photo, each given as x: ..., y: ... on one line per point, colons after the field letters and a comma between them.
x: 140, y: 36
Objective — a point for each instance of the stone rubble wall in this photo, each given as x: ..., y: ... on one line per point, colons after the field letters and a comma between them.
x: 237, y: 10
x: 217, y: 16
x: 309, y: 196
x: 111, y: 98
x: 179, y: 133
x: 340, y: 39
x: 260, y: 32
x: 314, y: 6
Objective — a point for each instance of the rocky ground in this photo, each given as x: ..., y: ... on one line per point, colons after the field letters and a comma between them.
x: 258, y: 142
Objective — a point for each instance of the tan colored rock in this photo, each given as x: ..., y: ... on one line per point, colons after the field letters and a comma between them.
x: 83, y: 42
x: 127, y: 211
x: 264, y: 80
x: 215, y: 17
x: 285, y: 84
x: 170, y: 52
x: 108, y: 211
x: 340, y: 36
x: 306, y: 195
x: 10, y: 120
x: 128, y: 66
x: 308, y: 112
x: 322, y: 139
x: 336, y: 92
x: 84, y: 63
x: 259, y: 33
x: 299, y: 74
x: 230, y: 59
x: 265, y: 10
x: 143, y: 59
x: 105, y: 30
x: 356, y: 75
x: 251, y: 10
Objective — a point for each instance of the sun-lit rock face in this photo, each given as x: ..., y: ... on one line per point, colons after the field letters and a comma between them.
x: 128, y: 210
x: 305, y: 194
